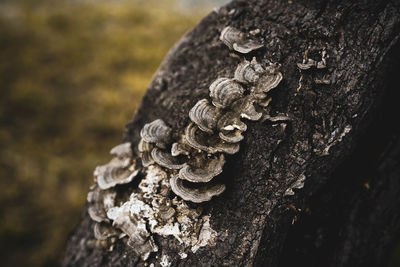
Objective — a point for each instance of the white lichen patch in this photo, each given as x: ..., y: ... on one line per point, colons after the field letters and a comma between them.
x: 298, y: 184
x: 336, y: 137
x: 165, y: 261
x: 183, y: 255
x: 207, y: 235
x: 143, y: 216
x: 324, y: 142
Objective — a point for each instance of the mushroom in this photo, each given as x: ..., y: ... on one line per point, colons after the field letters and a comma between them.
x: 145, y: 153
x: 198, y: 140
x: 123, y: 150
x: 205, y: 170
x: 117, y: 171
x: 165, y: 159
x: 197, y: 195
x: 231, y: 136
x: 231, y: 121
x: 245, y: 108
x: 96, y: 208
x: 223, y: 91
x: 270, y: 80
x: 156, y: 132
x: 238, y: 41
x: 204, y: 115
x: 248, y: 72
x: 179, y: 149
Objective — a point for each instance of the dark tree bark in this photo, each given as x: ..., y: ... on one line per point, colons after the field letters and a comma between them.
x: 343, y: 137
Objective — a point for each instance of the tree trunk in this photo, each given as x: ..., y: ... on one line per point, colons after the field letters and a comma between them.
x: 343, y: 138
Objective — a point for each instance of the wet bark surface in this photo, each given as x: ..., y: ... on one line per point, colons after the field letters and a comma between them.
x: 342, y: 137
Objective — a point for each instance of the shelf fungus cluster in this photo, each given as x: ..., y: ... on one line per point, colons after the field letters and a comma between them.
x: 238, y: 41
x: 174, y: 168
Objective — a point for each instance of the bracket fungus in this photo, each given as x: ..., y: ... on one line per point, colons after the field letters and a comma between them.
x: 204, y: 115
x: 231, y: 136
x: 248, y: 72
x: 122, y: 150
x: 238, y: 41
x: 120, y: 170
x: 246, y: 109
x: 100, y: 201
x: 181, y: 166
x: 145, y: 153
x: 196, y: 139
x: 179, y: 149
x: 209, y: 144
x: 197, y: 195
x: 223, y: 91
x: 165, y: 159
x: 270, y: 81
x: 205, y: 170
x: 156, y: 132
x: 231, y: 121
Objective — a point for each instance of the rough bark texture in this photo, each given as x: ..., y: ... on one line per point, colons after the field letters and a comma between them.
x: 347, y: 213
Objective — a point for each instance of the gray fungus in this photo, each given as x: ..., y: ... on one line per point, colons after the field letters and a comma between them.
x: 239, y: 41
x: 204, y: 115
x: 156, y: 132
x: 119, y: 170
x: 224, y: 91
x: 180, y: 167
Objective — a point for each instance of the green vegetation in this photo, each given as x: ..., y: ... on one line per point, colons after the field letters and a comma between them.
x: 71, y: 75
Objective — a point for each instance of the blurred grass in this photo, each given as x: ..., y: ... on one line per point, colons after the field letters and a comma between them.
x: 71, y: 76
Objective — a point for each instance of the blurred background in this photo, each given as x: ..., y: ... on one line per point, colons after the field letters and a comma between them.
x: 72, y: 74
